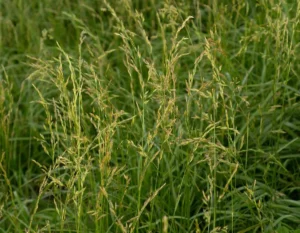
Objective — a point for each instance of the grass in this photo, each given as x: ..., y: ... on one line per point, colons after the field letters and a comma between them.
x: 149, y: 116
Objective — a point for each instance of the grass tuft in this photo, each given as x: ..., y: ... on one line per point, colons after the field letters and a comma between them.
x: 149, y: 116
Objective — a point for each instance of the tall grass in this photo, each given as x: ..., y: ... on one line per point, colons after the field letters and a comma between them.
x: 149, y: 116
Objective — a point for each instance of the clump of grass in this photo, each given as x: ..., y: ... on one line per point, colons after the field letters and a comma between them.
x: 149, y: 116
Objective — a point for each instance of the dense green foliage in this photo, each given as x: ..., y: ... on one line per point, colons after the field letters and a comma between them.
x: 149, y: 116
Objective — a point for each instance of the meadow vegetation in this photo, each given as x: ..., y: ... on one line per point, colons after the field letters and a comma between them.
x: 149, y: 116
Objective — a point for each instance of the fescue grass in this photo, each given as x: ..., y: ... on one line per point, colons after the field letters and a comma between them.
x: 149, y: 116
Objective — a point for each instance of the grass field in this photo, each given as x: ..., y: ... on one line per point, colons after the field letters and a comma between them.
x: 149, y: 116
